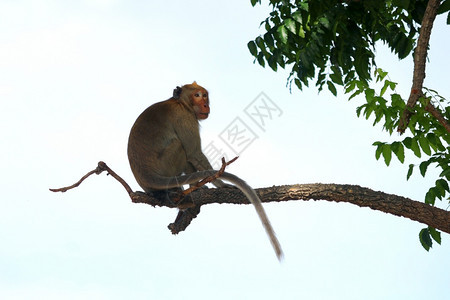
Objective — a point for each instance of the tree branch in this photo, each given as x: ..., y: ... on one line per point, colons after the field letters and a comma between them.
x: 101, y: 166
x: 420, y: 57
x: 363, y: 197
x: 435, y: 113
x: 354, y: 194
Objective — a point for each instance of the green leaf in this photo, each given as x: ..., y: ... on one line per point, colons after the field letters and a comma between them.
x: 260, y: 42
x: 370, y: 95
x: 433, y: 139
x: 380, y: 74
x: 384, y: 88
x: 298, y: 83
x: 379, y: 149
x: 336, y: 77
x: 397, y: 101
x: 283, y: 34
x: 402, y: 3
x: 368, y: 111
x: 290, y: 25
x: 279, y: 58
x: 350, y: 87
x: 272, y: 63
x: 297, y: 16
x: 407, y: 142
x: 355, y: 94
x: 448, y: 19
x: 387, y: 154
x: 253, y: 2
x: 415, y: 147
x: 425, y: 145
x: 358, y: 110
x: 269, y: 40
x: 399, y: 151
x: 392, y: 85
x: 332, y: 88
x: 442, y: 184
x: 252, y: 47
x: 423, y: 167
x: 261, y: 59
x: 444, y: 7
x: 430, y: 197
x: 437, y: 193
x: 425, y: 239
x: 325, y: 22
x: 301, y: 32
x: 410, y: 171
x: 436, y: 235
x: 445, y: 172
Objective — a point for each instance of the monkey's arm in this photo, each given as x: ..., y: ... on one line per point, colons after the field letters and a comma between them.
x: 190, y: 139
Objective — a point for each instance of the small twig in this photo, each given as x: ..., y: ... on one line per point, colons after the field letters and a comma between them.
x: 117, y: 177
x: 206, y: 180
x: 97, y: 171
x: 435, y: 113
x: 186, y: 214
x: 100, y: 168
x: 103, y: 167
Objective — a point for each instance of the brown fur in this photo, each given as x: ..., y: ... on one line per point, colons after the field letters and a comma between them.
x: 164, y: 143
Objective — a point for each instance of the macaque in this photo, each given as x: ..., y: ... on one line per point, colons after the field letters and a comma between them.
x: 164, y: 149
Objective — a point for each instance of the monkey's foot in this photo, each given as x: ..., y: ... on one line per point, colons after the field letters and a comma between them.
x: 167, y: 196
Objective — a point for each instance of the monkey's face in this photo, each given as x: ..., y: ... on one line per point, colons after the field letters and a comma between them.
x: 200, y: 102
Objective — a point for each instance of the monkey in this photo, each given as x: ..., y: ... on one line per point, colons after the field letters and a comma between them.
x: 164, y: 149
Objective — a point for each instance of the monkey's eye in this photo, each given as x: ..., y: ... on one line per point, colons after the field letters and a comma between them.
x: 205, y: 95
x: 197, y: 95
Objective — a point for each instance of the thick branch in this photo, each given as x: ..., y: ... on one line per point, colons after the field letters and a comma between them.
x: 420, y: 56
x: 363, y: 197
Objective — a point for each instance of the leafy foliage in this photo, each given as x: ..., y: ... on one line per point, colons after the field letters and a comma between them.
x: 332, y: 40
x: 428, y: 137
x: 426, y: 235
x: 333, y: 43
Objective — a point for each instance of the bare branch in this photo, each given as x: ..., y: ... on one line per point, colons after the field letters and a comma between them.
x: 100, y: 168
x: 97, y: 171
x: 207, y: 179
x: 420, y: 57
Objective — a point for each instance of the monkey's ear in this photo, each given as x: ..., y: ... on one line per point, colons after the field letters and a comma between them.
x: 177, y: 92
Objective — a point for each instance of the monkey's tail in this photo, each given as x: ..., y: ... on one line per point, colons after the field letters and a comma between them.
x: 167, y: 183
x: 254, y: 199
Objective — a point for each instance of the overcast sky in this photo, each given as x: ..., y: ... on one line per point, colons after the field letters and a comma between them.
x: 74, y: 76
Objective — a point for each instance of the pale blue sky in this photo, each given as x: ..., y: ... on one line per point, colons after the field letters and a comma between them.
x: 74, y: 77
